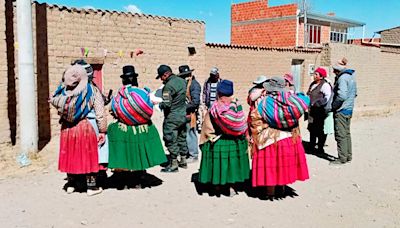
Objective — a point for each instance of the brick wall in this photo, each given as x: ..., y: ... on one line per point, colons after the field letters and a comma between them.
x: 376, y: 76
x: 4, y: 127
x: 254, y: 23
x: 60, y: 33
x: 244, y: 64
x: 391, y: 36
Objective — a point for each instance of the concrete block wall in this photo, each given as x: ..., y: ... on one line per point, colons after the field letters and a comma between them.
x: 254, y: 23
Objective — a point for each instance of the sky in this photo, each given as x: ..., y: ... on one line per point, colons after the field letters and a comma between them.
x: 377, y: 14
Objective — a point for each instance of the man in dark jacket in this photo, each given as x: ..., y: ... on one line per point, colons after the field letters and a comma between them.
x: 174, y: 108
x: 345, y: 92
x: 193, y: 91
x: 210, y: 88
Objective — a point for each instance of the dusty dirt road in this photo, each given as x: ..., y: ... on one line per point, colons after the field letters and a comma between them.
x: 365, y: 193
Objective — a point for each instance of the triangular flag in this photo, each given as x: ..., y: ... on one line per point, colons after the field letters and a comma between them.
x: 86, y: 52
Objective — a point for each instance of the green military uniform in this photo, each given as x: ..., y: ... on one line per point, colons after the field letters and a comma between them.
x: 174, y: 108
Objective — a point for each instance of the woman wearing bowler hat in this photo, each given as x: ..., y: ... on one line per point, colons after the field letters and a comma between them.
x: 74, y: 99
x: 224, y: 161
x: 278, y: 154
x: 134, y: 142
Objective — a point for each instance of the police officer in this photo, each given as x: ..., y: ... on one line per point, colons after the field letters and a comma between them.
x: 174, y: 126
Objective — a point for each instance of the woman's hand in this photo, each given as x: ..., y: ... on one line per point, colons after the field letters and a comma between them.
x: 101, y: 138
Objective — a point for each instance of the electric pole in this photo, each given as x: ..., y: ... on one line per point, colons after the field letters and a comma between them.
x: 28, y: 121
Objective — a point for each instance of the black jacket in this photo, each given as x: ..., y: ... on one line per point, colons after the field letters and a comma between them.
x: 195, y: 91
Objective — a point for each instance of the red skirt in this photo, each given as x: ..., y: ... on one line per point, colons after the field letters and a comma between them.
x: 281, y: 163
x: 78, y: 149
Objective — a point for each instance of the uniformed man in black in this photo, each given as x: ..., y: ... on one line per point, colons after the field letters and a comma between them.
x: 174, y: 126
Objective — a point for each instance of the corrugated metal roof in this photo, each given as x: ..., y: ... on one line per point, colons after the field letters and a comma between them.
x: 253, y: 47
x: 75, y: 9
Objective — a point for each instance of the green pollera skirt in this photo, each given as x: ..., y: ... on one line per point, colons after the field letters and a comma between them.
x: 224, y: 162
x: 134, y: 147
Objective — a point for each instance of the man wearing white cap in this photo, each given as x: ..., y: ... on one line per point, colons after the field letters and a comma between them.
x: 210, y: 88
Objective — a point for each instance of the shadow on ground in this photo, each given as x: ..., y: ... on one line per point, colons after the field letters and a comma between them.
x: 317, y: 153
x: 281, y: 193
x: 119, y: 180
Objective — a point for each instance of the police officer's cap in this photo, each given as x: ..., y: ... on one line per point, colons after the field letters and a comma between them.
x: 162, y: 69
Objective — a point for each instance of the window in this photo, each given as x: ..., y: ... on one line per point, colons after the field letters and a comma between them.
x: 314, y: 34
x: 338, y: 35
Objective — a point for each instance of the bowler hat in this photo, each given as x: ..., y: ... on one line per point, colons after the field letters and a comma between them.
x: 260, y: 80
x: 185, y: 70
x: 275, y: 84
x: 162, y: 69
x: 128, y: 70
x: 225, y: 88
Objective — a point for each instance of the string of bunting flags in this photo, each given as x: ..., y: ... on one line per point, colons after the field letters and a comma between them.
x: 85, y: 52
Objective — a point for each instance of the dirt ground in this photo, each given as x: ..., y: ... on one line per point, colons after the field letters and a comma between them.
x: 364, y: 193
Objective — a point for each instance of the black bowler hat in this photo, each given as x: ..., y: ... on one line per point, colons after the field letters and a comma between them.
x: 128, y: 70
x: 185, y: 70
x: 162, y: 69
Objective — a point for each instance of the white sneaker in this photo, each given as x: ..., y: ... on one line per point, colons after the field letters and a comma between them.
x: 70, y: 190
x: 94, y: 192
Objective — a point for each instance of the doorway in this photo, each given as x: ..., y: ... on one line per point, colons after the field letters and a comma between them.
x: 296, y: 72
x: 98, y: 75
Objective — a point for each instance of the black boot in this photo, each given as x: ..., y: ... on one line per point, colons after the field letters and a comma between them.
x: 172, y: 167
x: 182, y: 162
x: 102, y: 179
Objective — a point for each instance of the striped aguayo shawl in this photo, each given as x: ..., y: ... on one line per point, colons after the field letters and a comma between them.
x: 132, y: 105
x: 230, y: 118
x: 282, y: 110
x: 75, y: 107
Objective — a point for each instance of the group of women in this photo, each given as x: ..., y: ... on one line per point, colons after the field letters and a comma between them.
x: 270, y: 133
x: 131, y: 141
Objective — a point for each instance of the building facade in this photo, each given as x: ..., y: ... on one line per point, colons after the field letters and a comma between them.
x: 255, y: 23
x: 390, y: 40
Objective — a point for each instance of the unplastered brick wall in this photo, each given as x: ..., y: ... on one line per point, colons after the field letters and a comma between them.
x: 6, y: 53
x: 243, y: 64
x: 375, y: 74
x: 163, y: 41
x: 254, y: 23
x: 60, y: 33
